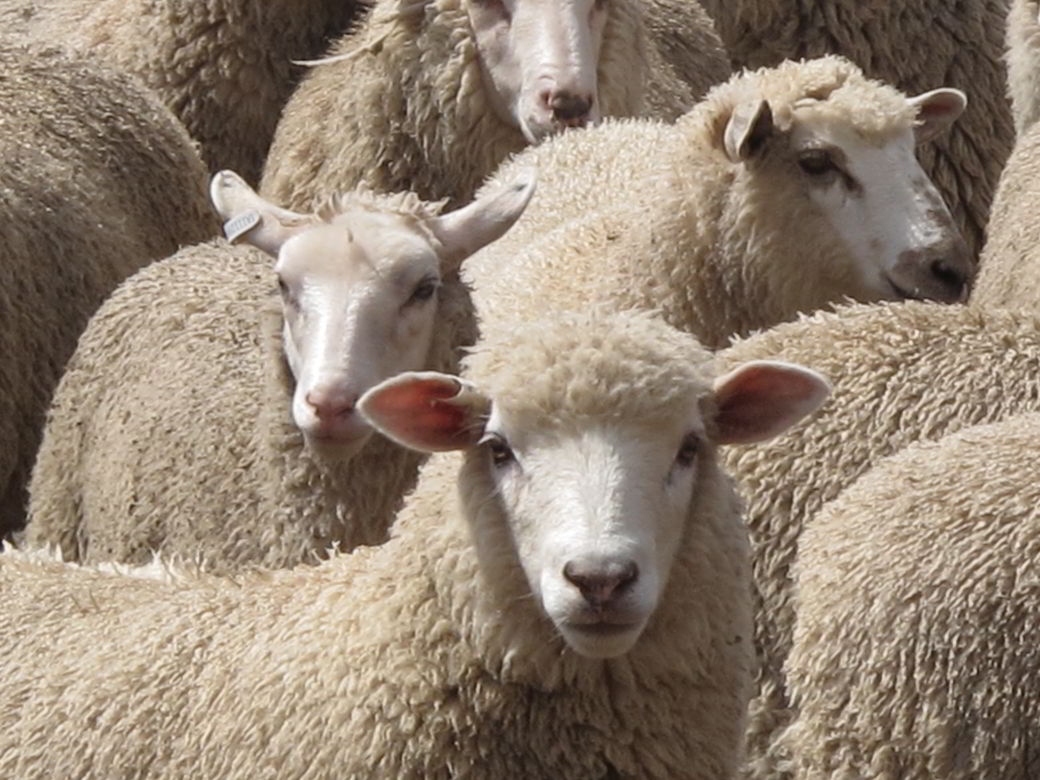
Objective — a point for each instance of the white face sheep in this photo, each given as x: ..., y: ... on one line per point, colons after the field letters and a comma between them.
x: 427, y: 656
x: 540, y: 57
x: 595, y: 509
x: 786, y: 190
x: 359, y: 292
x: 871, y: 190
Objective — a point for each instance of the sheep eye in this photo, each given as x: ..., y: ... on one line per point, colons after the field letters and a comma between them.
x: 816, y: 162
x: 424, y: 291
x: 501, y: 455
x: 283, y: 288
x: 687, y: 451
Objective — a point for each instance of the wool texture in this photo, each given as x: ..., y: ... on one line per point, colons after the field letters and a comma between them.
x: 413, y: 659
x: 410, y: 110
x: 914, y: 652
x: 900, y: 373
x: 98, y: 179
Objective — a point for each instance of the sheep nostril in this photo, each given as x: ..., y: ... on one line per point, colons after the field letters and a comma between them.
x: 949, y: 275
x: 569, y: 108
x: 601, y: 583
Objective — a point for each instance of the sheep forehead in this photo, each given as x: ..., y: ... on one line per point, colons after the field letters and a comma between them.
x: 830, y: 85
x: 357, y: 245
x: 822, y: 128
x: 581, y: 368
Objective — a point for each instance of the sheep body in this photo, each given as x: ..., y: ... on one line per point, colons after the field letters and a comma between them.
x: 657, y: 216
x: 1007, y: 273
x: 416, y: 658
x: 98, y: 179
x: 912, y: 654
x: 1023, y: 62
x: 915, y: 46
x: 232, y: 482
x: 417, y: 114
x: 900, y: 373
x: 224, y: 67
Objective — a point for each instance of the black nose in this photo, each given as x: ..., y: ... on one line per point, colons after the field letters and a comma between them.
x: 600, y: 582
x: 570, y: 108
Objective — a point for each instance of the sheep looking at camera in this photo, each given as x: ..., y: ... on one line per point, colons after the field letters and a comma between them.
x: 785, y: 190
x: 566, y: 596
x: 202, y: 417
x: 432, y: 96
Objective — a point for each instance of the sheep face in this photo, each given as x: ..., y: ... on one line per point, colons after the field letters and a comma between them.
x: 539, y: 59
x: 359, y: 289
x: 590, y: 492
x: 889, y: 228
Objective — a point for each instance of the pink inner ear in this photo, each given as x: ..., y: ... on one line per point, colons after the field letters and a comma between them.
x: 761, y: 400
x: 418, y: 413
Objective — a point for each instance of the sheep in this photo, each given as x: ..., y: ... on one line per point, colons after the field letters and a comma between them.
x: 1023, y: 62
x: 202, y: 417
x: 565, y: 594
x: 914, y: 652
x: 1007, y: 273
x: 901, y: 372
x: 915, y: 45
x: 432, y: 96
x: 97, y: 180
x: 224, y: 67
x: 716, y: 219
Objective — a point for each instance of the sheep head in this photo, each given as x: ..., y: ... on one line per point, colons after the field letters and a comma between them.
x: 585, y: 473
x: 359, y: 285
x: 540, y: 61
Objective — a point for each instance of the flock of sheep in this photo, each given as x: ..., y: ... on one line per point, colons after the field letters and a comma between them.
x: 578, y: 389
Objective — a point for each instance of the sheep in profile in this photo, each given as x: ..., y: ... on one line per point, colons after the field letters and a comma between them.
x: 785, y: 190
x: 914, y: 653
x: 201, y: 417
x: 432, y: 96
x: 900, y: 373
x: 566, y: 596
x: 224, y: 67
x: 98, y: 178
x: 915, y: 45
x: 1023, y: 62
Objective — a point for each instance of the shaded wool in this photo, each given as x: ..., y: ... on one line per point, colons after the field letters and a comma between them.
x: 1008, y: 273
x: 914, y: 653
x: 900, y: 373
x: 655, y: 216
x: 224, y: 67
x: 1023, y: 62
x: 172, y: 429
x: 916, y: 45
x: 409, y: 110
x: 97, y: 180
x: 408, y: 659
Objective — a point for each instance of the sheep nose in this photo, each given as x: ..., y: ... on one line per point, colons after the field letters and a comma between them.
x: 953, y: 277
x: 600, y: 582
x: 570, y: 109
x: 330, y: 404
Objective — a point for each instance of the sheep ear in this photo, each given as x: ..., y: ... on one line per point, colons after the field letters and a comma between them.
x: 748, y: 127
x: 464, y: 231
x: 250, y: 218
x: 763, y: 398
x: 426, y: 411
x: 936, y: 111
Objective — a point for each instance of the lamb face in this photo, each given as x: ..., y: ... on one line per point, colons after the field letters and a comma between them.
x: 359, y: 292
x: 585, y: 478
x: 539, y: 59
x: 867, y: 188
